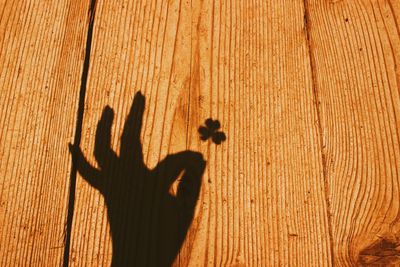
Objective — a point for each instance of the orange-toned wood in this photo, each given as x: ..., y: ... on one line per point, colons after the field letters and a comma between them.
x: 262, y: 199
x: 355, y: 48
x: 41, y: 58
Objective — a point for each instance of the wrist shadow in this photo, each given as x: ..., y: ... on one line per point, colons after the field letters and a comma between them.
x: 148, y: 224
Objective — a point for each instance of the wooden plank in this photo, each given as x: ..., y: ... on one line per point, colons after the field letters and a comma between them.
x: 42, y: 43
x: 355, y: 49
x: 262, y: 199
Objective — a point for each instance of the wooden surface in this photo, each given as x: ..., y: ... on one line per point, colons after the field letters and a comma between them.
x: 358, y: 92
x: 41, y: 46
x: 307, y: 93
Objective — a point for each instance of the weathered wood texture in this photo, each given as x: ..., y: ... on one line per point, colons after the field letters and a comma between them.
x: 356, y: 53
x: 247, y: 64
x: 41, y: 47
x: 307, y: 93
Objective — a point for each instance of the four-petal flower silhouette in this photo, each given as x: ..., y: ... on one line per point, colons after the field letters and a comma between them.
x: 211, y: 131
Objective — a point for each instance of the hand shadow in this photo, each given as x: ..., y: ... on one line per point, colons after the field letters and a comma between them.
x: 148, y: 224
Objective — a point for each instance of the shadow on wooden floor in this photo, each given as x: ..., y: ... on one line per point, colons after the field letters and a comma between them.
x: 148, y: 223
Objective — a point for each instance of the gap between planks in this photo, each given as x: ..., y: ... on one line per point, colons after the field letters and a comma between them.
x: 321, y: 136
x: 78, y: 131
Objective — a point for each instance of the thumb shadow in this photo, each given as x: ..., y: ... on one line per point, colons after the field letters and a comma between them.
x: 148, y: 223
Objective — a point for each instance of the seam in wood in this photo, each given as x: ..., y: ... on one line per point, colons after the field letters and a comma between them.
x: 78, y: 132
x: 321, y: 138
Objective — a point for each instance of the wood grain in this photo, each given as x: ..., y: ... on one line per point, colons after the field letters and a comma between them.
x: 356, y: 51
x: 307, y: 94
x: 41, y: 46
x: 245, y: 63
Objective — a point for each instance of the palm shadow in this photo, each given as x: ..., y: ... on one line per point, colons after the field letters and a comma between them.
x: 148, y: 224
